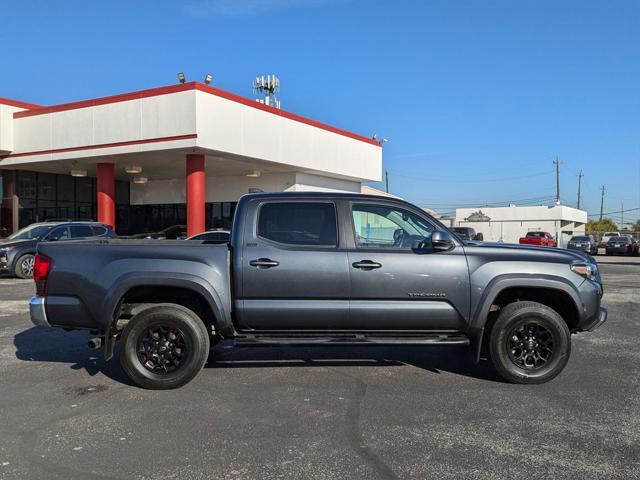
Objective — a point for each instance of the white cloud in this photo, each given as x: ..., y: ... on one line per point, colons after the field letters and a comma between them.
x: 238, y: 8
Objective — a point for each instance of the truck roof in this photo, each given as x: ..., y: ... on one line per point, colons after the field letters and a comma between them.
x: 321, y: 195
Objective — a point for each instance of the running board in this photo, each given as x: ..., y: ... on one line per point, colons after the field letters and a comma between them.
x: 310, y: 340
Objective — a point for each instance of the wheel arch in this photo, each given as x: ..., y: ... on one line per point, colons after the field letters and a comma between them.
x: 555, y: 292
x: 186, y: 290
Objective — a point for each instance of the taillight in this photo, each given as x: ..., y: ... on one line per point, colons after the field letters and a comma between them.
x: 41, y: 268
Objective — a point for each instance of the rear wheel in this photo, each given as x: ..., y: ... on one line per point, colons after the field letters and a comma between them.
x: 530, y: 343
x: 164, y: 347
x: 24, y: 266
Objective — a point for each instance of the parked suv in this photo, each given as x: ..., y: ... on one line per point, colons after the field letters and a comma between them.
x: 608, y: 236
x: 18, y: 250
x: 468, y: 233
x: 623, y: 244
x: 584, y: 243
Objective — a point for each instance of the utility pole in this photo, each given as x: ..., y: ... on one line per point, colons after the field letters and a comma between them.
x: 580, y: 175
x: 621, y: 215
x: 386, y: 179
x: 557, y: 164
x: 601, y: 202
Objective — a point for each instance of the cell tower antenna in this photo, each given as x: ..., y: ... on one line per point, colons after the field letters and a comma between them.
x: 267, y: 87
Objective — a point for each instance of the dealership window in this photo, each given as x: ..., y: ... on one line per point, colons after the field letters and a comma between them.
x: 7, y: 193
x: 298, y: 223
x: 46, y: 196
x: 26, y: 185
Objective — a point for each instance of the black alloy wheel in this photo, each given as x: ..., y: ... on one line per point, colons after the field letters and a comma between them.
x: 530, y: 346
x: 164, y: 346
x: 162, y: 349
x: 529, y: 343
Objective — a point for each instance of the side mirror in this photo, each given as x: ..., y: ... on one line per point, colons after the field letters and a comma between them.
x: 442, y: 241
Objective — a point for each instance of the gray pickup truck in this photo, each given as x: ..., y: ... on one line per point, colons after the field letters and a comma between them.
x: 317, y: 269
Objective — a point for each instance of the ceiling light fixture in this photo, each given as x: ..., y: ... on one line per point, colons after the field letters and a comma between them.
x: 78, y: 172
x: 140, y: 180
x: 252, y: 173
x: 181, y: 77
x: 133, y: 169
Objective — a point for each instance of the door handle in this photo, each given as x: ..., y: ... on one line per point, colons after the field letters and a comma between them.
x: 366, y: 264
x: 264, y: 263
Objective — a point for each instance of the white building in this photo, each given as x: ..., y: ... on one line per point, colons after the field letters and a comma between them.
x: 508, y: 224
x: 181, y: 154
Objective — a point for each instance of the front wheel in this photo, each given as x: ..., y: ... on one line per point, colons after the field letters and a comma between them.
x: 24, y: 266
x: 530, y: 343
x: 164, y: 347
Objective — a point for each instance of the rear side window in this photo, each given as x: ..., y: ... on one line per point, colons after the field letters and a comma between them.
x: 81, y: 231
x: 98, y: 231
x: 299, y: 223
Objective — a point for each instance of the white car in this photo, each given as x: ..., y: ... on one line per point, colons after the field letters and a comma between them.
x: 608, y: 236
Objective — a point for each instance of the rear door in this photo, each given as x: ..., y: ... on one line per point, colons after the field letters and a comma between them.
x: 294, y: 272
x: 398, y: 282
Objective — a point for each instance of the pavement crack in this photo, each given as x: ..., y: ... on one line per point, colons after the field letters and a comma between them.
x: 354, y: 432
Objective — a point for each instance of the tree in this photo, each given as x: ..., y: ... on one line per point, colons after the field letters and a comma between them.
x: 606, y: 225
x: 636, y: 226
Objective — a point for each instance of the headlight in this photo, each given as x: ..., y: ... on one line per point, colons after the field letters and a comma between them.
x: 587, y: 270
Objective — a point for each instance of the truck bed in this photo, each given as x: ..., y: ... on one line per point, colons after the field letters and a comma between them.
x: 88, y: 277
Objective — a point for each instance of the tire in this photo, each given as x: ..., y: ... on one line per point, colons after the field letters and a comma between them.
x: 184, y: 347
x: 512, y: 362
x: 24, y: 266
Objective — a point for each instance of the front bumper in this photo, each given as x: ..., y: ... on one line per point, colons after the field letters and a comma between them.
x: 4, y: 262
x: 38, y: 312
x: 600, y: 319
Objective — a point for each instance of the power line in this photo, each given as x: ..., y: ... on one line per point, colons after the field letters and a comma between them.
x: 445, y: 180
x: 521, y: 201
x: 614, y: 213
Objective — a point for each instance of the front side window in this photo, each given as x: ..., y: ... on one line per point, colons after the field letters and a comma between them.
x: 379, y: 226
x: 299, y: 223
x: 60, y: 233
x: 31, y: 233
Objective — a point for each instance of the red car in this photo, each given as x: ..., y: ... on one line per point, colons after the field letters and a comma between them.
x: 541, y: 239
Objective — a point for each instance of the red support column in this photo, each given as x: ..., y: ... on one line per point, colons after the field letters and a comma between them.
x: 106, y: 194
x: 195, y: 194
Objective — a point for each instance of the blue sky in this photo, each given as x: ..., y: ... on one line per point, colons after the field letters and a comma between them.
x: 476, y: 97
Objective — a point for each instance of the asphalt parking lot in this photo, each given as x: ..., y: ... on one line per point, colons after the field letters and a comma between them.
x: 325, y: 413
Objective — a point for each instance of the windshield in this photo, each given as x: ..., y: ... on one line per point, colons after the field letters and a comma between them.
x: 580, y: 239
x: 32, y: 232
x: 619, y: 239
x: 611, y: 234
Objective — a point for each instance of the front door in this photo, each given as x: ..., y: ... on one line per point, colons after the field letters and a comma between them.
x: 294, y: 274
x: 397, y: 281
